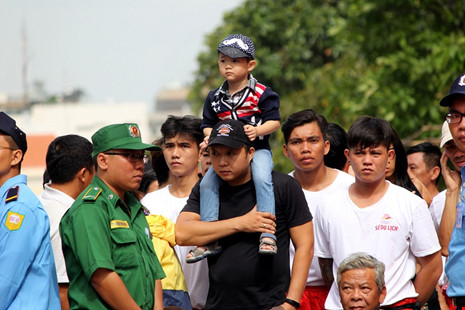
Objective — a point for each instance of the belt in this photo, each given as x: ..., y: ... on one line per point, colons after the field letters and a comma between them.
x: 459, y: 300
x: 415, y: 306
x: 406, y: 306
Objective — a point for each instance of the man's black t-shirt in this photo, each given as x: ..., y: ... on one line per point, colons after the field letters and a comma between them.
x: 240, y: 278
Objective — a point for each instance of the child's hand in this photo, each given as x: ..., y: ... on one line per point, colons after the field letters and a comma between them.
x: 203, y: 145
x: 250, y: 131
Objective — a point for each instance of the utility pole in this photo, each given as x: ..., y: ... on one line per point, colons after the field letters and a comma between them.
x: 25, y: 65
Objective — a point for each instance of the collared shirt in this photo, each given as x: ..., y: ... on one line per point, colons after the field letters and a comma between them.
x: 455, y: 270
x: 27, y: 269
x: 254, y: 105
x: 98, y: 231
x: 234, y: 99
x: 56, y: 203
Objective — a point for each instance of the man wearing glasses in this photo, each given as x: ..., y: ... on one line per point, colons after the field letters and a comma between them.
x: 106, y: 239
x: 452, y: 223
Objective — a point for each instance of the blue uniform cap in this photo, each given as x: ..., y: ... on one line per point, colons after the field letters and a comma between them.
x: 8, y: 127
x: 457, y: 88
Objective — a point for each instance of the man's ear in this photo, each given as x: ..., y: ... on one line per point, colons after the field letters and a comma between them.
x: 16, y: 157
x: 382, y: 295
x: 285, y: 150
x: 84, y: 175
x: 346, y: 153
x: 102, y: 161
x: 327, y: 146
x: 250, y: 153
x: 391, y: 154
x: 81, y: 174
x: 435, y: 172
x: 199, y: 158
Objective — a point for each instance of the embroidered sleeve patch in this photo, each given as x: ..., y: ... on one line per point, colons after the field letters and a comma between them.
x: 118, y: 224
x: 14, y: 220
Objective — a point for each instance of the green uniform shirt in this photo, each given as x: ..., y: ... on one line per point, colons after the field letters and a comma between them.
x: 99, y: 232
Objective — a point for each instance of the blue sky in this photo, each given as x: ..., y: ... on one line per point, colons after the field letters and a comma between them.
x: 113, y: 49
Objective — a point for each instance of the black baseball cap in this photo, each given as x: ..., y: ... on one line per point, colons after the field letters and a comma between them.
x: 229, y: 133
x: 457, y: 88
x: 8, y: 127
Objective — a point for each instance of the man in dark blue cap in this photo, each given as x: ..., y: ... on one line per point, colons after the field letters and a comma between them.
x: 452, y: 230
x: 27, y: 268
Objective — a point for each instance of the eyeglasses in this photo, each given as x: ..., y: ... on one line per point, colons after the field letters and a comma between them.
x: 7, y: 148
x: 132, y: 157
x: 454, y: 117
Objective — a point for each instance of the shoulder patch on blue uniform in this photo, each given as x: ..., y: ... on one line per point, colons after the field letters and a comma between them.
x: 92, y: 194
x: 12, y: 194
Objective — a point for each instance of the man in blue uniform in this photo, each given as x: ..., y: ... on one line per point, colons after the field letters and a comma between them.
x: 452, y: 228
x: 27, y: 269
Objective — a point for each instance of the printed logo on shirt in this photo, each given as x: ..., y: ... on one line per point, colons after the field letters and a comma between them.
x: 386, y: 224
x: 386, y: 217
x: 14, y: 220
x: 118, y: 224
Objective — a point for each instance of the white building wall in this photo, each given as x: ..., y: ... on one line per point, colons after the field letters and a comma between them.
x: 85, y: 118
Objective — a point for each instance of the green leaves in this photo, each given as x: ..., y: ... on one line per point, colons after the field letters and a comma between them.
x: 392, y: 59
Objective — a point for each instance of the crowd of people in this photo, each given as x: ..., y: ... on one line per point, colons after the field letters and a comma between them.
x: 204, y: 222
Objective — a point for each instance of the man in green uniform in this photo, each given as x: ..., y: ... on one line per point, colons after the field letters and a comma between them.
x: 106, y: 239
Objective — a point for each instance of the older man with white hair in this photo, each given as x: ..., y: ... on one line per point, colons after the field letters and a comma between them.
x: 360, y: 278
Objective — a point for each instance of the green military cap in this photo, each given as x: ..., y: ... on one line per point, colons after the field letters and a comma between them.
x: 119, y: 136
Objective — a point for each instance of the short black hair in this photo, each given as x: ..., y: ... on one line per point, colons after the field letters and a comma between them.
x: 66, y: 155
x: 337, y: 137
x: 148, y: 177
x: 301, y: 118
x: 369, y: 131
x: 431, y: 155
x: 187, y: 126
x: 159, y: 165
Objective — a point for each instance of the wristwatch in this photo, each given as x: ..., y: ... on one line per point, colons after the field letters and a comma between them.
x: 293, y: 303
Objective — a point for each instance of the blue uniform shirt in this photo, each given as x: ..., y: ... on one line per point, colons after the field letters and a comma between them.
x: 455, y: 266
x: 27, y: 268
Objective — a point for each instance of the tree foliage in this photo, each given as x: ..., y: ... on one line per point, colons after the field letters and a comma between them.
x: 391, y: 59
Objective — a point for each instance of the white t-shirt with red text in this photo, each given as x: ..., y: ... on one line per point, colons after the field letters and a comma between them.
x: 395, y: 230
